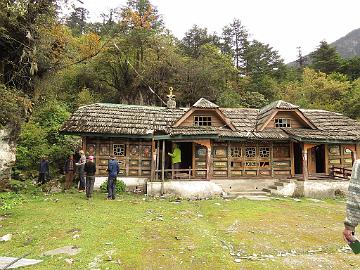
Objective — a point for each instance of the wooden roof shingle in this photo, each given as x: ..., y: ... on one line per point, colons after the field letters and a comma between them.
x: 120, y: 119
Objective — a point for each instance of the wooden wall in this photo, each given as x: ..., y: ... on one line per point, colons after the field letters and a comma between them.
x: 296, y: 121
x: 266, y: 159
x: 216, y: 121
x: 339, y: 156
x: 134, y: 156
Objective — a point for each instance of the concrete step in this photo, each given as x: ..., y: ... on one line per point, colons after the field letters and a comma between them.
x: 246, y: 193
x: 279, y: 184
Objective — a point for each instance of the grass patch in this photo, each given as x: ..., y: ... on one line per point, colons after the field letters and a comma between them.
x: 135, y: 232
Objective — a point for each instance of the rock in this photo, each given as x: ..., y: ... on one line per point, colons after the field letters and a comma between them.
x: 297, y: 200
x: 217, y: 203
x: 76, y: 236
x: 69, y: 250
x: 6, y: 237
x: 237, y: 260
x: 69, y: 261
x: 4, y: 261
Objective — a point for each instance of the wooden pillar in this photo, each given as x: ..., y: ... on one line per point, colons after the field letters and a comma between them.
x: 84, y: 144
x: 272, y: 158
x: 153, y: 160
x: 163, y: 161
x: 305, y: 162
x: 157, y: 159
x: 326, y: 149
x: 228, y: 159
x: 208, y: 162
x: 292, y: 163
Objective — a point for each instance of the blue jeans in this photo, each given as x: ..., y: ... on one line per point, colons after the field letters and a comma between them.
x: 82, y: 177
x: 111, y: 187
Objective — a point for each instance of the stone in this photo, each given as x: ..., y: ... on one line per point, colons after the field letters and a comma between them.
x: 237, y: 260
x: 4, y: 261
x: 69, y: 250
x: 6, y: 237
x: 69, y: 261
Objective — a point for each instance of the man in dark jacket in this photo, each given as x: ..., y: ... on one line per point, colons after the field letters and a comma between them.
x: 90, y: 169
x: 43, y: 170
x: 113, y: 171
x: 69, y: 170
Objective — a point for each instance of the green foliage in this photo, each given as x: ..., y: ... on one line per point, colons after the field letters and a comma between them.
x: 13, y: 108
x: 316, y: 89
x: 40, y: 136
x: 8, y: 200
x: 325, y: 58
x: 120, y: 186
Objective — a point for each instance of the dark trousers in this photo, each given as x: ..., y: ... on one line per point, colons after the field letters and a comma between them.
x: 42, y: 178
x: 82, y: 179
x: 111, y: 187
x: 69, y: 177
x: 90, y: 180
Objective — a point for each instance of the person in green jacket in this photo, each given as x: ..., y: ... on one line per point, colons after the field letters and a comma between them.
x: 175, y: 157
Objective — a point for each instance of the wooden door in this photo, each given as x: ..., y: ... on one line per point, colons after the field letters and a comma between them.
x: 311, y: 160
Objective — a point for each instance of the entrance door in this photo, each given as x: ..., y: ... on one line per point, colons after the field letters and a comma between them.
x: 316, y: 159
x: 298, y: 163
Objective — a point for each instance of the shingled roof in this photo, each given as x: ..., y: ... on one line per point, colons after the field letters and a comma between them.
x: 204, y: 103
x: 105, y: 119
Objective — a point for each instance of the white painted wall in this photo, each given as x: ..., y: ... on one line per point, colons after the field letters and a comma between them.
x: 130, y: 182
x: 185, y: 189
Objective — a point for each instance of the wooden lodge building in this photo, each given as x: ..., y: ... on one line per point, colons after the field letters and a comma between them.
x: 278, y: 140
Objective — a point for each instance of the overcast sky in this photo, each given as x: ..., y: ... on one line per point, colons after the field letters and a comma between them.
x: 284, y: 24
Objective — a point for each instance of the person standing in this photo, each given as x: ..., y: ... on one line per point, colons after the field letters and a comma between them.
x: 353, y: 204
x: 113, y: 171
x: 90, y: 169
x: 175, y: 157
x: 69, y: 169
x: 81, y: 166
x: 43, y: 170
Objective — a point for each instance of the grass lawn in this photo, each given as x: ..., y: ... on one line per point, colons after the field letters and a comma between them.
x: 134, y: 232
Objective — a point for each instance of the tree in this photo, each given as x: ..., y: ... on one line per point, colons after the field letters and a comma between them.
x: 351, y: 67
x: 195, y: 38
x: 235, y: 42
x: 20, y: 22
x: 317, y: 90
x: 325, y: 58
x: 77, y: 20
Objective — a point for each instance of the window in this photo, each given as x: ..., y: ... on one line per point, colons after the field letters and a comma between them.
x: 264, y: 152
x: 282, y: 122
x: 236, y: 151
x: 119, y: 150
x: 202, y: 120
x: 250, y: 152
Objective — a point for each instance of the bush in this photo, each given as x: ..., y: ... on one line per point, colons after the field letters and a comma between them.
x: 120, y: 186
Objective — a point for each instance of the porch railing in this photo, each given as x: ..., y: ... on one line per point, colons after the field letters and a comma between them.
x: 339, y: 172
x: 183, y: 173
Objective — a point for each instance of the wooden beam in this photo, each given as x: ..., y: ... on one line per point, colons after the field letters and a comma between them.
x: 228, y: 159
x: 305, y: 162
x: 157, y: 159
x: 162, y: 167
x: 326, y: 149
x: 292, y: 162
x: 153, y: 160
x: 272, y: 158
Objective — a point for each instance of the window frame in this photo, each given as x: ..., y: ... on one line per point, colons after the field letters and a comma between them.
x: 202, y: 121
x: 281, y: 122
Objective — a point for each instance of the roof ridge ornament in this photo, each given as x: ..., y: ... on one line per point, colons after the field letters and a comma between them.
x: 171, y: 103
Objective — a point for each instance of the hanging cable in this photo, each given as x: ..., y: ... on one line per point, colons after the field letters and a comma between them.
x: 141, y: 77
x: 143, y: 80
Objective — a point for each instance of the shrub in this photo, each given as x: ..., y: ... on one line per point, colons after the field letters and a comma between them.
x: 120, y: 186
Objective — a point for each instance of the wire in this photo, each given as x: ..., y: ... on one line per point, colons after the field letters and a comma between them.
x: 141, y: 77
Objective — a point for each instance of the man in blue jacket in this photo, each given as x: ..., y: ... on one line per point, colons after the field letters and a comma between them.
x: 113, y: 171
